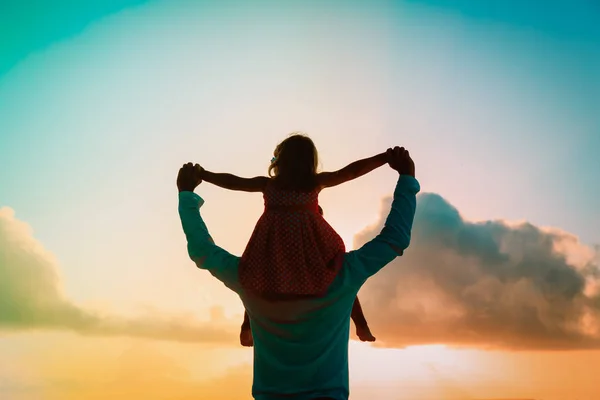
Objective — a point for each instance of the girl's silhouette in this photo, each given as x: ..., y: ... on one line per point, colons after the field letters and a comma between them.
x: 293, y: 252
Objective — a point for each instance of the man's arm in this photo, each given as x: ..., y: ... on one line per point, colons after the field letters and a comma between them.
x: 394, y: 237
x: 200, y: 245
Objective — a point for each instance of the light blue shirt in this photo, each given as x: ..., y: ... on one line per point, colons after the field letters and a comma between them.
x: 301, y: 347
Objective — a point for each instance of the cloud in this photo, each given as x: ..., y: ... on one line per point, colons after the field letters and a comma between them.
x: 31, y: 298
x: 490, y: 284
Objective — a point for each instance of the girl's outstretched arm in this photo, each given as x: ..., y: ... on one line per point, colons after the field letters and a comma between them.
x: 351, y: 171
x: 232, y: 182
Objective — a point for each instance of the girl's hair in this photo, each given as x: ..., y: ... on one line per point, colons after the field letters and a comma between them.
x: 295, y: 162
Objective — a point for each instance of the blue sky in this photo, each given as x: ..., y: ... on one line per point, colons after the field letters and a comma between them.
x: 28, y: 26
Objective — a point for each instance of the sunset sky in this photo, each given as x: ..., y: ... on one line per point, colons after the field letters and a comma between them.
x: 102, y: 101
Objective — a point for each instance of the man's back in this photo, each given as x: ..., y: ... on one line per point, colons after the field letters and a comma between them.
x: 302, y: 346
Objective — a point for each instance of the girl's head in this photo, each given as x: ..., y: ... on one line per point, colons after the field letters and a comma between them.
x: 295, y: 161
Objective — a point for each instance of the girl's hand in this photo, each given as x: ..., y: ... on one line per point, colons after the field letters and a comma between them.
x: 199, y: 171
x: 188, y: 178
x: 388, y: 155
x: 401, y: 161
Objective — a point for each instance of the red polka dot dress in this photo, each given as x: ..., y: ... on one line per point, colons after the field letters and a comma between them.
x: 293, y: 251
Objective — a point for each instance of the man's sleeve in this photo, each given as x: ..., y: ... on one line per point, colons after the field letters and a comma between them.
x: 394, y: 238
x: 200, y: 245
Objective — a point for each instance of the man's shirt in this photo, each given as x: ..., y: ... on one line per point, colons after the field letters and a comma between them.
x: 301, y: 347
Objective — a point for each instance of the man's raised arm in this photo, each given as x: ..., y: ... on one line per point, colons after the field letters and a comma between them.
x: 395, y: 236
x: 200, y: 245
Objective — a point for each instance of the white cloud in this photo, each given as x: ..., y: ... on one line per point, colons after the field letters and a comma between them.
x: 31, y: 298
x: 488, y: 283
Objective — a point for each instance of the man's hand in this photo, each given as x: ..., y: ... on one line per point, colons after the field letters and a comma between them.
x: 399, y: 159
x: 189, y: 177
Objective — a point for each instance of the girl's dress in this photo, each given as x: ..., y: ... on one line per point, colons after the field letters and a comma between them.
x: 293, y: 251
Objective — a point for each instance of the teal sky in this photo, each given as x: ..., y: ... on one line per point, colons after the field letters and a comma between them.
x: 100, y: 104
x: 29, y: 26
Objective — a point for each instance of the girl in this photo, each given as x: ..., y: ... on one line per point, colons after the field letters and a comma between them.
x: 293, y: 252
x: 362, y: 327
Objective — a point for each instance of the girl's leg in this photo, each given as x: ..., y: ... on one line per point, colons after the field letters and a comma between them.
x: 246, y: 339
x: 246, y: 323
x: 362, y: 327
x: 357, y: 314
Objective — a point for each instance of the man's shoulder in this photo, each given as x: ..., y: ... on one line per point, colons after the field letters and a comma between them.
x: 345, y: 281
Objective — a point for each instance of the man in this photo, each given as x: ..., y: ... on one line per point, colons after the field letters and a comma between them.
x: 301, y: 346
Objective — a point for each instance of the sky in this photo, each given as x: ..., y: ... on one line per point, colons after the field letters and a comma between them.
x: 101, y: 103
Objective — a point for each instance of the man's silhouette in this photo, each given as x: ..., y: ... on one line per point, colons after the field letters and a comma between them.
x: 301, y: 346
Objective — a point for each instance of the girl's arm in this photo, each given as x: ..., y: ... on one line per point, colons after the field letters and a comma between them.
x: 351, y: 171
x: 232, y: 182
